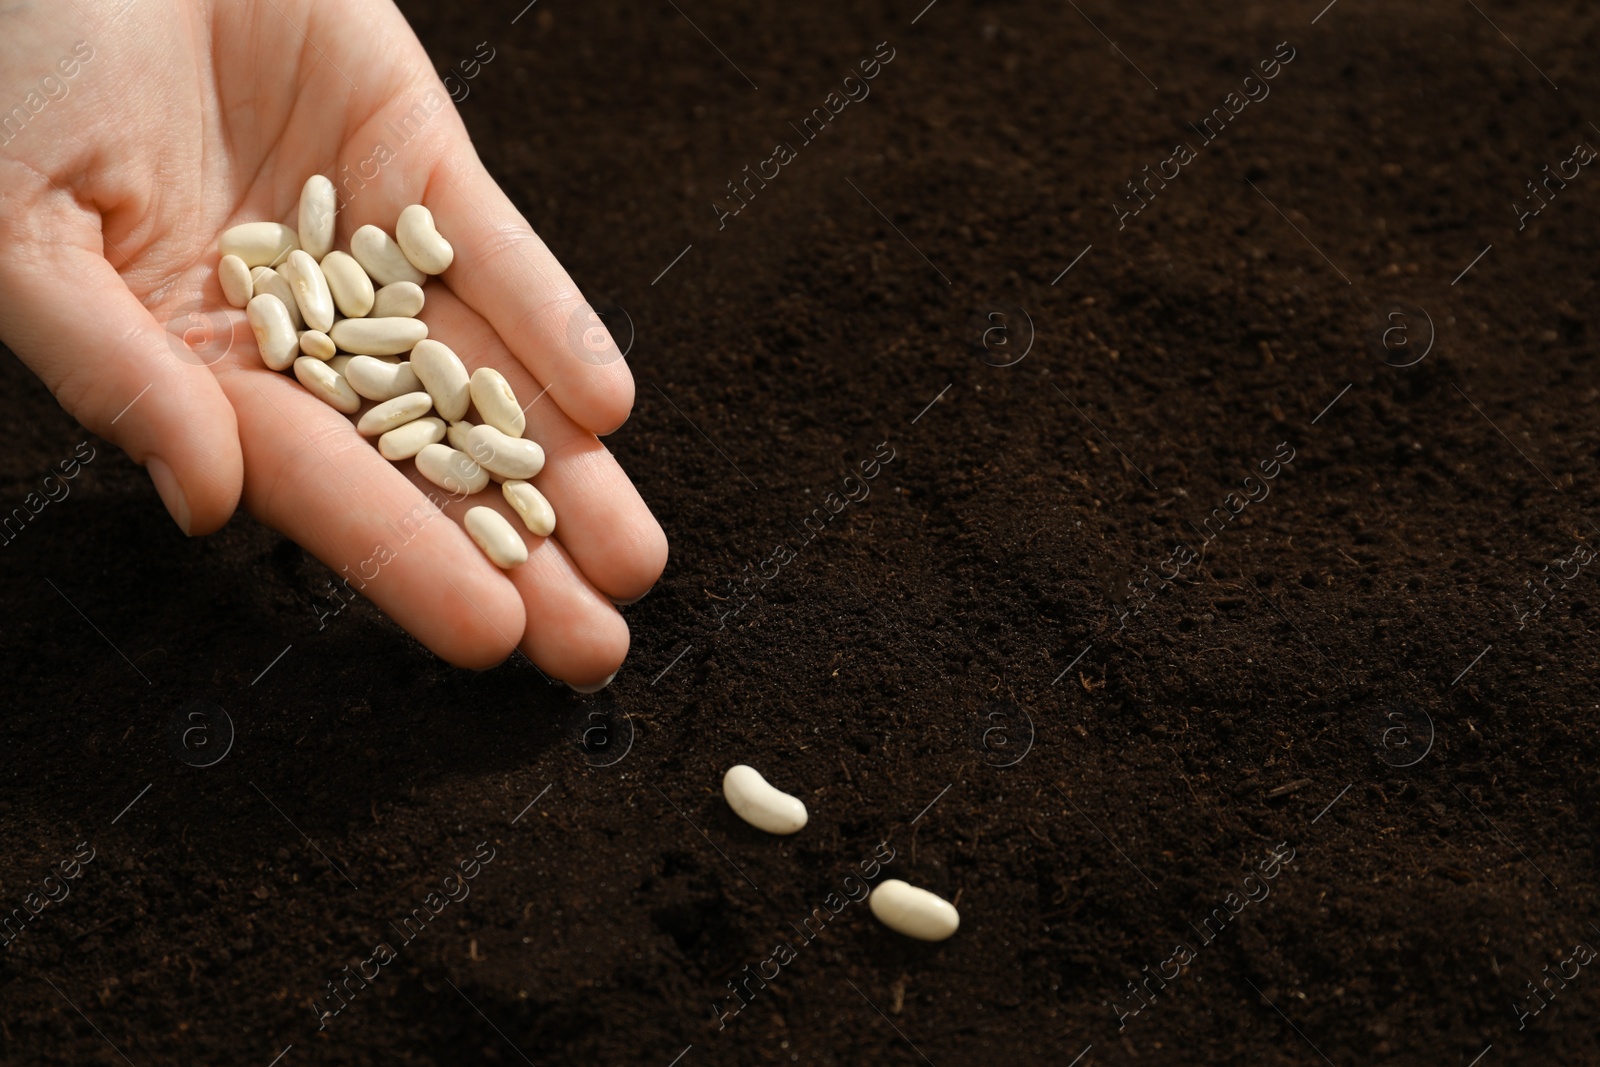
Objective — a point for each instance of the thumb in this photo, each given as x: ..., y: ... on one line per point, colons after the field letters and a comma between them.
x: 119, y: 373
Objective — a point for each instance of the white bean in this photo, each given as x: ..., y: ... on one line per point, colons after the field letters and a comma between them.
x: 378, y: 337
x: 458, y: 435
x: 497, y: 537
x: 403, y: 442
x: 237, y: 288
x: 340, y: 362
x: 327, y: 385
x: 377, y: 379
x: 267, y: 280
x: 349, y: 284
x: 391, y: 413
x: 275, y: 334
x: 917, y: 913
x: 401, y: 300
x: 319, y: 206
x: 498, y: 453
x: 259, y: 244
x: 531, y: 506
x: 419, y: 239
x: 760, y: 804
x: 317, y: 345
x: 444, y: 376
x: 496, y: 402
x: 310, y: 289
x: 381, y: 257
x: 451, y: 470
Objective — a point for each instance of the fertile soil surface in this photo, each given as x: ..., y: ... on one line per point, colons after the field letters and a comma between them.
x: 1208, y: 620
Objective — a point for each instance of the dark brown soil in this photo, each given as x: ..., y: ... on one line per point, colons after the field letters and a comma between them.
x: 1351, y: 669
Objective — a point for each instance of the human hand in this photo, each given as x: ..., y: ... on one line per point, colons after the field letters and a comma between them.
x: 181, y: 118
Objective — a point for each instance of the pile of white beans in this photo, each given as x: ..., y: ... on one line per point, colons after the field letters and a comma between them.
x: 345, y: 323
x: 901, y: 907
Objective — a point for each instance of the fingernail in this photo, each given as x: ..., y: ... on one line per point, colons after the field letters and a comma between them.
x: 171, y: 492
x: 594, y: 688
x: 635, y: 600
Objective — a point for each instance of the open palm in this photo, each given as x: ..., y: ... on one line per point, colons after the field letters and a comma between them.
x: 192, y: 116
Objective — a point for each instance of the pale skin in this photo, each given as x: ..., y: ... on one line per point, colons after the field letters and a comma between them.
x: 193, y: 116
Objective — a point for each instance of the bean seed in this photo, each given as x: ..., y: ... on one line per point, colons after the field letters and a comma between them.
x: 403, y: 442
x: 377, y: 379
x: 275, y: 333
x: 327, y: 385
x: 340, y: 320
x: 267, y: 280
x: 259, y: 244
x: 381, y: 257
x: 402, y: 300
x: 237, y: 288
x: 319, y: 205
x: 420, y: 241
x: 458, y: 435
x: 349, y: 284
x: 444, y: 376
x: 378, y: 337
x: 310, y: 289
x: 317, y: 345
x: 531, y: 507
x: 760, y: 804
x: 498, y: 453
x: 451, y: 470
x: 497, y: 537
x: 496, y: 402
x: 391, y: 413
x: 917, y: 913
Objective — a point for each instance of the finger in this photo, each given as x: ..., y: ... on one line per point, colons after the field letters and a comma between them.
x: 600, y: 519
x: 504, y: 272
x: 588, y: 649
x: 108, y: 362
x: 501, y: 267
x: 311, y: 476
x: 574, y: 633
